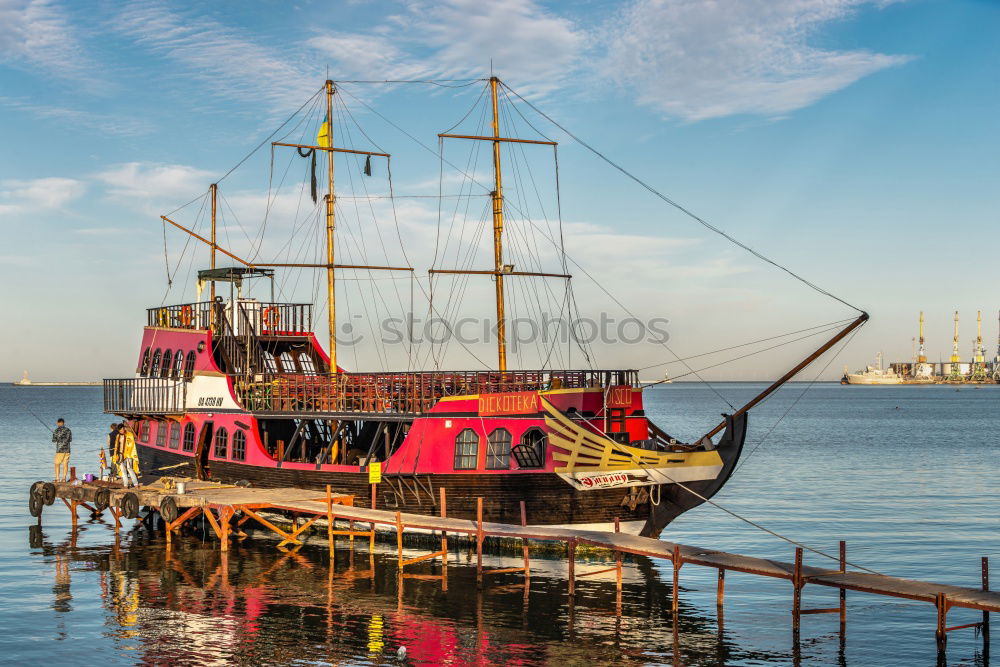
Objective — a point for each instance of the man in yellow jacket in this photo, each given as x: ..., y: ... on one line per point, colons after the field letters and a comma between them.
x: 128, y: 460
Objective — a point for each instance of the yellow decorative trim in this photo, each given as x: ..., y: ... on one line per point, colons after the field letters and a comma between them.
x: 586, y: 451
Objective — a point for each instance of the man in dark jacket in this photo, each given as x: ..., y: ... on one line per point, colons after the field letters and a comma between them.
x: 62, y: 436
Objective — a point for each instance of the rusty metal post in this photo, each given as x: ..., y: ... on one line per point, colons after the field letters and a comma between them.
x: 399, y: 539
x: 571, y: 555
x: 843, y: 591
x: 479, y: 540
x: 524, y: 541
x: 720, y: 591
x: 986, y: 614
x: 677, y: 573
x: 797, y: 591
x: 941, y: 634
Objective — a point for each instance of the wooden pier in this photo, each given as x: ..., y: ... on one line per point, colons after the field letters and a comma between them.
x: 228, y: 508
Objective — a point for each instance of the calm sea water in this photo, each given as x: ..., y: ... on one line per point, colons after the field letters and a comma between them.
x: 905, y: 474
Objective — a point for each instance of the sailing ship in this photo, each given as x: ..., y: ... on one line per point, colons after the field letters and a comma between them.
x: 241, y: 390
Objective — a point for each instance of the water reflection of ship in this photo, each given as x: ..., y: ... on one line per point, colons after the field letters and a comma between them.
x: 196, y: 604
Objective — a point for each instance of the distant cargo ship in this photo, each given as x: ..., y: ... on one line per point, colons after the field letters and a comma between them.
x: 921, y: 371
x: 26, y: 382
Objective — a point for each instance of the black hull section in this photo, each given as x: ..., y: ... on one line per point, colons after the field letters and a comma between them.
x: 675, y: 500
x: 548, y: 499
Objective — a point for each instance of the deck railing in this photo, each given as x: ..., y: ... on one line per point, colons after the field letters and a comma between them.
x: 413, y: 393
x: 259, y: 317
x: 144, y: 396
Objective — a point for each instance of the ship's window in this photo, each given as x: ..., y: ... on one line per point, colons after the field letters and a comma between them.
x: 154, y: 368
x: 498, y: 450
x: 189, y: 365
x: 466, y: 450
x: 161, y: 433
x: 306, y: 362
x: 239, y: 445
x: 287, y: 362
x: 530, y: 452
x: 269, y: 364
x: 144, y: 431
x: 144, y: 368
x: 166, y: 367
x: 175, y: 436
x: 189, y: 437
x: 221, y: 443
x: 179, y: 364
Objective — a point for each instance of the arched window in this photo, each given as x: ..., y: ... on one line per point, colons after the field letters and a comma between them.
x: 166, y: 367
x: 287, y: 362
x: 144, y: 431
x: 270, y: 365
x: 466, y: 450
x: 175, y: 436
x: 239, y: 445
x: 221, y: 443
x: 161, y: 433
x: 179, y: 364
x: 154, y: 368
x: 189, y: 366
x: 306, y: 362
x: 144, y: 368
x: 498, y: 450
x: 189, y: 437
x: 530, y: 452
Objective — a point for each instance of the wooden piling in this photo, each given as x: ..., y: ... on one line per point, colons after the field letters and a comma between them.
x: 329, y: 523
x: 399, y: 539
x: 941, y: 603
x: 986, y: 614
x: 444, y: 534
x: 797, y: 591
x: 479, y: 540
x: 720, y: 589
x: 843, y: 591
x: 571, y: 557
x: 677, y: 573
x: 524, y: 541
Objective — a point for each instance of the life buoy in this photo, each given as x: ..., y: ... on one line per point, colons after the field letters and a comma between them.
x: 187, y: 316
x: 272, y: 318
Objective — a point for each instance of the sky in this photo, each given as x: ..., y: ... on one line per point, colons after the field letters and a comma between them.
x: 853, y: 142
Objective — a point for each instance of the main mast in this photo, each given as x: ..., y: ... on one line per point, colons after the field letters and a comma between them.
x: 498, y: 232
x: 330, y: 273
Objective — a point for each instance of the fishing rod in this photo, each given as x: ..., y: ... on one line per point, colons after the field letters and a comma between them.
x: 32, y: 412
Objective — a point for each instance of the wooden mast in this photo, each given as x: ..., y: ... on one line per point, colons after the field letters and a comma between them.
x: 214, y: 189
x: 499, y: 270
x: 497, y: 196
x: 330, y: 272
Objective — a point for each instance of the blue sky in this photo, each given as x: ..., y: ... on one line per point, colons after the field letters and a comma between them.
x: 854, y: 141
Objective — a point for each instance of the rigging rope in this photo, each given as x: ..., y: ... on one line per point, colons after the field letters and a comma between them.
x: 679, y: 207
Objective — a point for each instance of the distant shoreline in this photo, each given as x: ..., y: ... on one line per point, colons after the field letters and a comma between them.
x: 56, y: 384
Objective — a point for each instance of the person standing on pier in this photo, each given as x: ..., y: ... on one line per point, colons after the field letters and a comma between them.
x: 113, y: 448
x: 62, y: 437
x: 127, y: 456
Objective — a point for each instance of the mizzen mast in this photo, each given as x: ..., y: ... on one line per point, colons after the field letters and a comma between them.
x: 331, y: 293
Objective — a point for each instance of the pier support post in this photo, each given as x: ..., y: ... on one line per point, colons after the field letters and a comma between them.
x: 720, y: 589
x: 797, y: 591
x: 399, y: 539
x: 941, y: 602
x: 986, y: 614
x: 571, y: 557
x: 329, y: 524
x: 524, y: 542
x: 677, y: 562
x: 479, y: 541
x: 843, y: 591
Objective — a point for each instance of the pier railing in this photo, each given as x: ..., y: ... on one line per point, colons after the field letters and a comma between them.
x: 257, y: 317
x: 144, y: 396
x: 414, y: 392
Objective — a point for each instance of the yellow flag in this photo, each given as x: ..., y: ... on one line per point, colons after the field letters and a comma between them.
x: 323, y: 138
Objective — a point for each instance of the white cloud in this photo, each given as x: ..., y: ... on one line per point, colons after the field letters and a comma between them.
x: 19, y: 196
x: 230, y: 62
x: 36, y: 33
x: 105, y: 123
x: 707, y: 59
x: 152, y: 188
x: 529, y: 46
